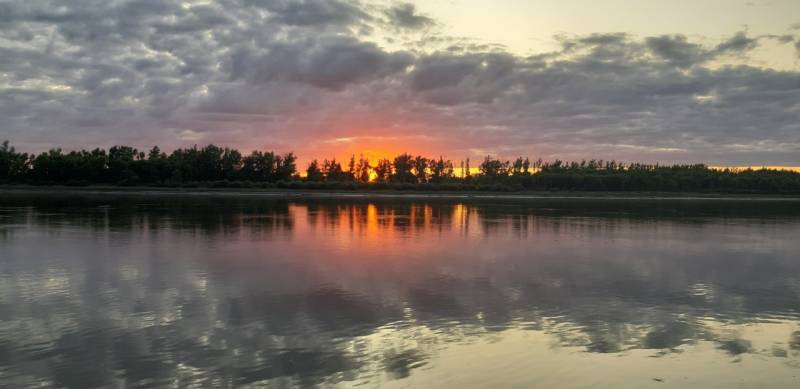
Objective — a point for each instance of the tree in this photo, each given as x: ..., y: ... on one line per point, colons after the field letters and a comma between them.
x: 441, y: 170
x: 362, y: 169
x: 155, y: 153
x: 126, y: 165
x: 313, y: 172
x: 230, y: 163
x: 208, y: 162
x: 403, y: 169
x: 158, y: 168
x: 13, y: 165
x: 494, y: 168
x: 517, y: 166
x: 351, y: 169
x: 420, y: 168
x: 383, y: 171
x: 333, y: 170
x: 6, y: 155
x: 285, y: 167
x: 259, y: 166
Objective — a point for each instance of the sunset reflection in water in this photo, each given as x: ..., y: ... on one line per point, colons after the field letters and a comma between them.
x: 102, y: 291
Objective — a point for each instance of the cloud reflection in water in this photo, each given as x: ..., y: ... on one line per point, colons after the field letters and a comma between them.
x: 98, y: 291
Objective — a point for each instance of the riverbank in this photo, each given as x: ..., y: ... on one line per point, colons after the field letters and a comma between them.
x: 379, y: 193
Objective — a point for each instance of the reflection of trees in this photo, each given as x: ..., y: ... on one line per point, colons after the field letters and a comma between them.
x: 210, y: 214
x: 97, y: 313
x: 202, y: 215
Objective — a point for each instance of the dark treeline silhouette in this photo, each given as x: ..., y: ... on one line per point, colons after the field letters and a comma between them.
x: 212, y: 166
x: 123, y: 165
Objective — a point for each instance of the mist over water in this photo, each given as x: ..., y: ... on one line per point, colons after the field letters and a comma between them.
x: 218, y: 291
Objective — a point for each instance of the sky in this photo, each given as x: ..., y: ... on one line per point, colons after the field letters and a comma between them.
x: 700, y: 81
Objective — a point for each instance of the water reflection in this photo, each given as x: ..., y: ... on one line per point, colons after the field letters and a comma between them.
x: 222, y: 291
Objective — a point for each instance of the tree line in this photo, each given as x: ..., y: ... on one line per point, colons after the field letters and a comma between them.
x: 123, y: 165
x: 213, y: 166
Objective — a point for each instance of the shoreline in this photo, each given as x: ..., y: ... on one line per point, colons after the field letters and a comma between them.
x: 56, y: 191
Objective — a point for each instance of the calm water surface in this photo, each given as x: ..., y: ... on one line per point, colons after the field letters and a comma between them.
x: 203, y: 291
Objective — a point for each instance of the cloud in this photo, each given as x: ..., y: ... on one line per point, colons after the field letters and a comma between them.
x: 312, y: 12
x: 198, y: 18
x: 329, y: 63
x: 593, y: 301
x: 738, y: 43
x: 292, y: 74
x: 603, y: 39
x: 676, y: 49
x: 405, y: 16
x: 449, y: 79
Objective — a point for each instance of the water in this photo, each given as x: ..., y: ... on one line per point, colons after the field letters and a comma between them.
x: 220, y: 291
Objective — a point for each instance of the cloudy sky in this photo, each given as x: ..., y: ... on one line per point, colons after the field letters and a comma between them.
x: 715, y: 81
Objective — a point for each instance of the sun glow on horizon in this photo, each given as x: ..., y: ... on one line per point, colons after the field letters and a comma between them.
x: 757, y: 167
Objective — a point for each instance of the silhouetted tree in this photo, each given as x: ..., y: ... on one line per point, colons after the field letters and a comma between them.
x: 230, y: 164
x: 259, y: 166
x: 125, y: 165
x: 362, y: 169
x: 120, y: 164
x: 383, y: 170
x: 403, y: 169
x: 494, y: 168
x: 158, y: 168
x: 285, y: 167
x: 440, y: 169
x: 351, y: 169
x: 333, y: 171
x: 420, y: 168
x: 313, y: 172
x: 13, y: 165
x: 520, y: 167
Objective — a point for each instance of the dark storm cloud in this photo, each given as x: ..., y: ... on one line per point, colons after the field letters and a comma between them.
x: 295, y: 73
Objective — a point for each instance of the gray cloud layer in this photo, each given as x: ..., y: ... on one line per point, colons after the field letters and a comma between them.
x: 296, y: 74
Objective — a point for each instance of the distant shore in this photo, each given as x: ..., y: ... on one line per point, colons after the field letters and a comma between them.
x: 380, y: 193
